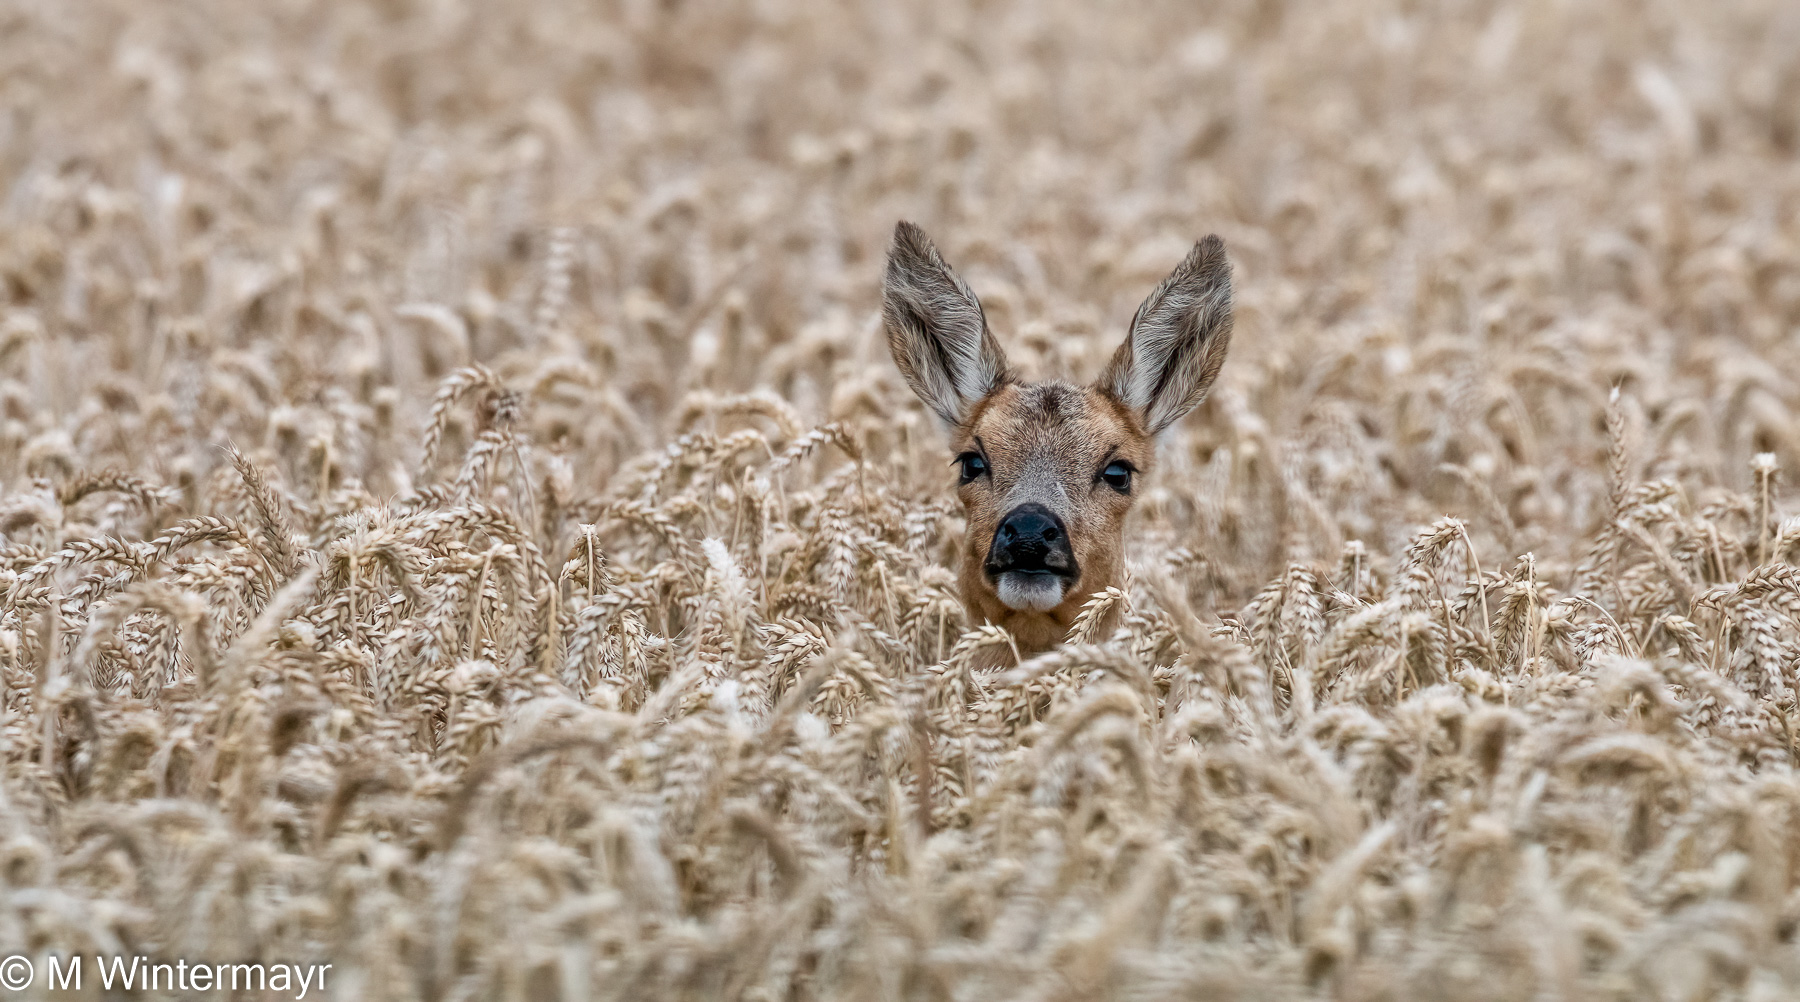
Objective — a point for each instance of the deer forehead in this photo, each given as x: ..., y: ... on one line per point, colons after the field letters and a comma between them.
x: 1043, y: 440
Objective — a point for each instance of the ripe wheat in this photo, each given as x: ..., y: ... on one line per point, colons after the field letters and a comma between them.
x: 459, y: 522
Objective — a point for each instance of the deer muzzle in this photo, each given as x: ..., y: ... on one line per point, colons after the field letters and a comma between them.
x: 1030, y: 560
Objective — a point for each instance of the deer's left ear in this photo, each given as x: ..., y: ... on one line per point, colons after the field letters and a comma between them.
x: 936, y: 330
x: 1177, y: 341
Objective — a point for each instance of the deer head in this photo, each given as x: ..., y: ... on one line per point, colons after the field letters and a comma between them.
x: 1048, y: 471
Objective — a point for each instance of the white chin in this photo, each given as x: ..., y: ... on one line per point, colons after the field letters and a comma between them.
x: 1027, y: 591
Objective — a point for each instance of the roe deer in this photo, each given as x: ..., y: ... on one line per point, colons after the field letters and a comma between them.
x: 1049, y: 470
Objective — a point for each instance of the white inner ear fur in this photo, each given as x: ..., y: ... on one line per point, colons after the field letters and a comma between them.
x: 936, y: 330
x: 1177, y: 340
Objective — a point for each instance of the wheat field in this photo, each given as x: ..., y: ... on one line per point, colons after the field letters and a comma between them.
x: 460, y: 522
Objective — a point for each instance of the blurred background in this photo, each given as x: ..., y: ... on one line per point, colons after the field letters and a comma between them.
x: 1456, y: 226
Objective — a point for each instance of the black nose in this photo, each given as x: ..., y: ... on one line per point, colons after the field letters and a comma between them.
x: 1031, y: 538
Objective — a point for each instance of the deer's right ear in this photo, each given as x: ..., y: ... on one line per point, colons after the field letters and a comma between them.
x: 1177, y: 341
x: 936, y: 330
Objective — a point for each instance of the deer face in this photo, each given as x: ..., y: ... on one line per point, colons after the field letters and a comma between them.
x: 1047, y: 471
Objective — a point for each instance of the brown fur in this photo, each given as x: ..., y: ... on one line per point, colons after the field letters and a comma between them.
x: 1049, y: 442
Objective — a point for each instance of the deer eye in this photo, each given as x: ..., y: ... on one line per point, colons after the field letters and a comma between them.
x: 972, y: 466
x: 1118, y: 477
